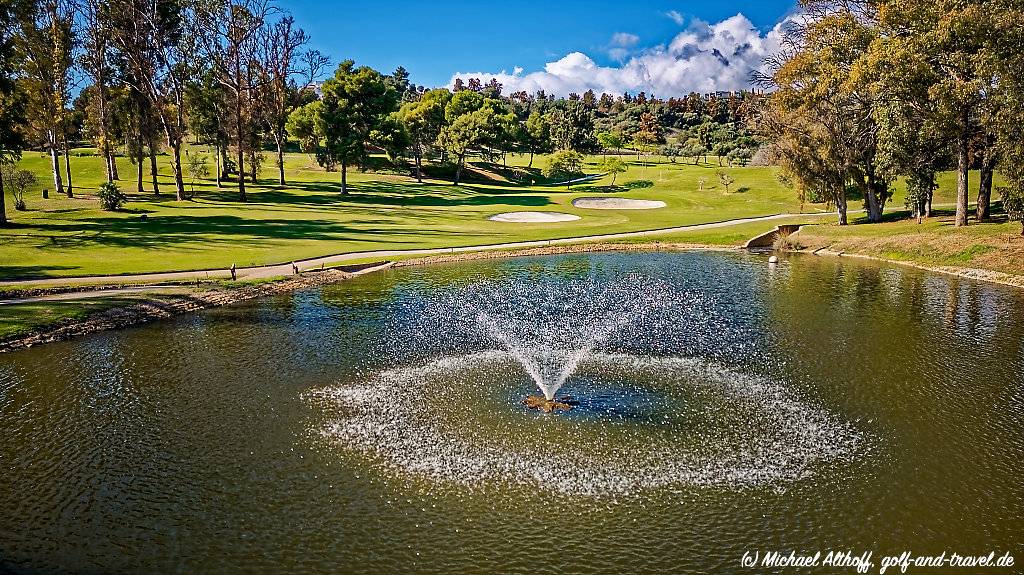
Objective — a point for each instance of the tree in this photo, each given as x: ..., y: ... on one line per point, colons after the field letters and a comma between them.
x: 537, y: 134
x: 725, y: 179
x: 281, y: 63
x: 95, y: 61
x: 944, y: 46
x: 45, y: 42
x: 644, y: 142
x: 160, y: 54
x: 423, y: 120
x: 572, y: 128
x: 671, y: 151
x: 613, y: 166
x: 1013, y: 203
x: 206, y: 103
x: 231, y: 44
x: 391, y: 136
x: 18, y: 181
x: 821, y: 114
x: 12, y: 105
x: 464, y: 132
x: 355, y: 102
x: 565, y: 164
x: 610, y: 140
x: 198, y: 168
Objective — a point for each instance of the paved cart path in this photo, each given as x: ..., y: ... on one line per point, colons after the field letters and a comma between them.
x: 284, y: 269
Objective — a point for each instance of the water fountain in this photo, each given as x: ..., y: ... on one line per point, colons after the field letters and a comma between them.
x: 635, y: 420
x: 549, y: 329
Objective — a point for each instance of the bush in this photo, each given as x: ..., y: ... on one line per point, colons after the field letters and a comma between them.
x: 18, y: 182
x: 111, y: 197
x: 1013, y: 204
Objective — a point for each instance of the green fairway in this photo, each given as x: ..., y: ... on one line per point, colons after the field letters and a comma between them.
x: 308, y: 218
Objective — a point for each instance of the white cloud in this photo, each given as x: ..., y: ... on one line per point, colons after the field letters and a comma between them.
x: 624, y: 39
x: 703, y: 58
x: 676, y: 17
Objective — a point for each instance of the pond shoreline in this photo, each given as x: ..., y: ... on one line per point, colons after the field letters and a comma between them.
x: 154, y: 308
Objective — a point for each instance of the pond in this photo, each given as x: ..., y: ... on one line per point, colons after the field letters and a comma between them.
x: 719, y: 406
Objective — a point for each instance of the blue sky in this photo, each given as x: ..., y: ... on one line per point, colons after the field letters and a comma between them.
x: 434, y: 40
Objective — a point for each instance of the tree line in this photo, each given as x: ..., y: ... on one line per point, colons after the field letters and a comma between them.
x: 138, y: 78
x: 866, y: 91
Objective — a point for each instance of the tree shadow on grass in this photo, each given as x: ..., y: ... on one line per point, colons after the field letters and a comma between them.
x: 166, y: 231
x: 30, y: 272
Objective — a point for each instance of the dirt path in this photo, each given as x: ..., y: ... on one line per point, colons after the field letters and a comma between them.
x: 285, y: 269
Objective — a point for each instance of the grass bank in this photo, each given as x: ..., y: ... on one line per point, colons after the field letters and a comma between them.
x: 996, y: 245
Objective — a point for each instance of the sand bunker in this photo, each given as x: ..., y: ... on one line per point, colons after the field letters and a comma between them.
x: 617, y: 204
x: 533, y: 217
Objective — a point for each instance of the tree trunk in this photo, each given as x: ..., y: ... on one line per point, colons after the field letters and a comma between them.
x: 985, y: 188
x: 69, y: 189
x: 3, y: 206
x: 101, y: 92
x: 138, y: 171
x: 152, y: 168
x: 241, y: 156
x: 418, y: 154
x: 873, y: 201
x: 113, y: 166
x: 458, y: 170
x: 216, y: 156
x: 344, y: 176
x: 58, y: 182
x: 530, y: 165
x: 179, y: 183
x: 225, y: 175
x: 280, y: 160
x: 961, y: 180
x: 841, y: 207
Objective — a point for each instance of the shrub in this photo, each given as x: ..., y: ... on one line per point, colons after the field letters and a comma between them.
x: 1013, y: 204
x: 18, y: 182
x: 111, y: 197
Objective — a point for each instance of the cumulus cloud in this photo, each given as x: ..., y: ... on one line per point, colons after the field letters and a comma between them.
x: 703, y: 58
x: 675, y: 17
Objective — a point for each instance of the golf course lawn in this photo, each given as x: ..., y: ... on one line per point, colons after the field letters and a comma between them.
x: 61, y: 237
x: 996, y: 245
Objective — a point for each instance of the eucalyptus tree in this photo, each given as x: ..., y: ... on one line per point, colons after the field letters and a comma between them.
x: 945, y: 45
x: 45, y: 43
x: 230, y: 42
x: 95, y: 60
x: 282, y: 63
x: 160, y: 48
x: 12, y: 108
x: 821, y: 113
